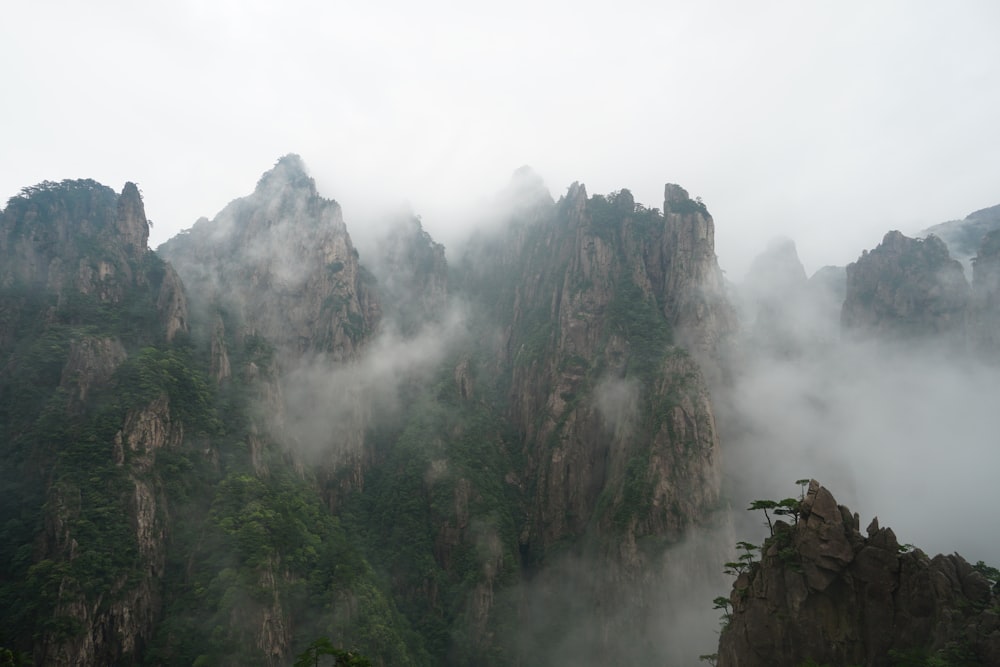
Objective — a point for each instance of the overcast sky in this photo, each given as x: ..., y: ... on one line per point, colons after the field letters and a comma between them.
x: 830, y: 122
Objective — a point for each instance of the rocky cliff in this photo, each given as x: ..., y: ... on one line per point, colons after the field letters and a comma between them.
x: 906, y: 288
x: 607, y: 308
x: 281, y: 263
x: 963, y: 237
x: 84, y: 522
x: 80, y: 241
x: 412, y: 276
x: 292, y: 467
x: 984, y: 317
x: 824, y: 593
x: 276, y: 272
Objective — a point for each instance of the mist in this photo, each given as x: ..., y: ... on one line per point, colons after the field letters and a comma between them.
x: 329, y: 403
x: 818, y: 122
x: 902, y: 430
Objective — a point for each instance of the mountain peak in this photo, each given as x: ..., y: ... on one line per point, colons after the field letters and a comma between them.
x: 824, y: 593
x: 288, y: 171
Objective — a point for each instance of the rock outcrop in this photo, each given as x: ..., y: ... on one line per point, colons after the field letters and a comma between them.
x: 906, y: 288
x: 412, y: 276
x: 80, y: 293
x: 963, y: 237
x: 984, y: 316
x: 281, y: 261
x: 692, y: 286
x: 824, y: 592
x: 79, y: 237
x: 612, y: 308
x: 275, y: 273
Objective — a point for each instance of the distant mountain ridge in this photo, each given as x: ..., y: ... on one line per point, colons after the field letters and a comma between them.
x: 963, y: 237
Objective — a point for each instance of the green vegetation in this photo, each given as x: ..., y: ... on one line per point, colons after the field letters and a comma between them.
x: 315, y: 653
x: 688, y: 207
x: 954, y: 654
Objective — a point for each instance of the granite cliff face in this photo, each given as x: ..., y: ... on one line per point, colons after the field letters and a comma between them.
x: 612, y: 308
x: 964, y: 236
x: 413, y: 276
x: 909, y: 288
x: 984, y: 317
x: 824, y: 592
x: 81, y: 238
x: 604, y: 293
x: 281, y: 263
x: 276, y: 272
x: 219, y: 483
x: 79, y: 293
x: 693, y: 289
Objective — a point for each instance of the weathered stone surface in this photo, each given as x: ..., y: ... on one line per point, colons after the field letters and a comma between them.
x: 909, y: 288
x: 872, y: 598
x: 91, y: 363
x: 984, y: 316
x: 282, y: 260
x: 695, y: 299
x: 80, y: 237
x: 412, y: 276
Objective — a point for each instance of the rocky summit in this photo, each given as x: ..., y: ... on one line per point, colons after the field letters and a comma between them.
x: 823, y: 593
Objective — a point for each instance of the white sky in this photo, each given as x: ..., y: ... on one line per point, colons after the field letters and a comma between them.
x: 830, y: 122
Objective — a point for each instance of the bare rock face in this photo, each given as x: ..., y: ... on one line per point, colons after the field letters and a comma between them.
x: 589, y: 307
x: 282, y: 260
x: 611, y: 310
x: 92, y: 361
x: 906, y: 288
x: 80, y: 238
x: 825, y: 593
x: 984, y: 318
x: 964, y: 237
x: 693, y: 288
x: 276, y: 276
x: 413, y: 276
x: 115, y: 625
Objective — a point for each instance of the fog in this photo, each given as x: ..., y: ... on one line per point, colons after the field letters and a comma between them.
x: 821, y: 122
x: 328, y: 403
x: 827, y: 124
x: 905, y: 430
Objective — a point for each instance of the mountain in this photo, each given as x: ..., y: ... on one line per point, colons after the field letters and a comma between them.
x: 256, y: 443
x: 821, y: 592
x: 913, y: 289
x: 906, y: 287
x: 488, y: 460
x: 93, y: 384
x: 963, y: 237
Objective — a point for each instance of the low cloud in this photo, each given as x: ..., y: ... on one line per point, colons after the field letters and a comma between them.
x: 905, y: 432
x: 329, y: 404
